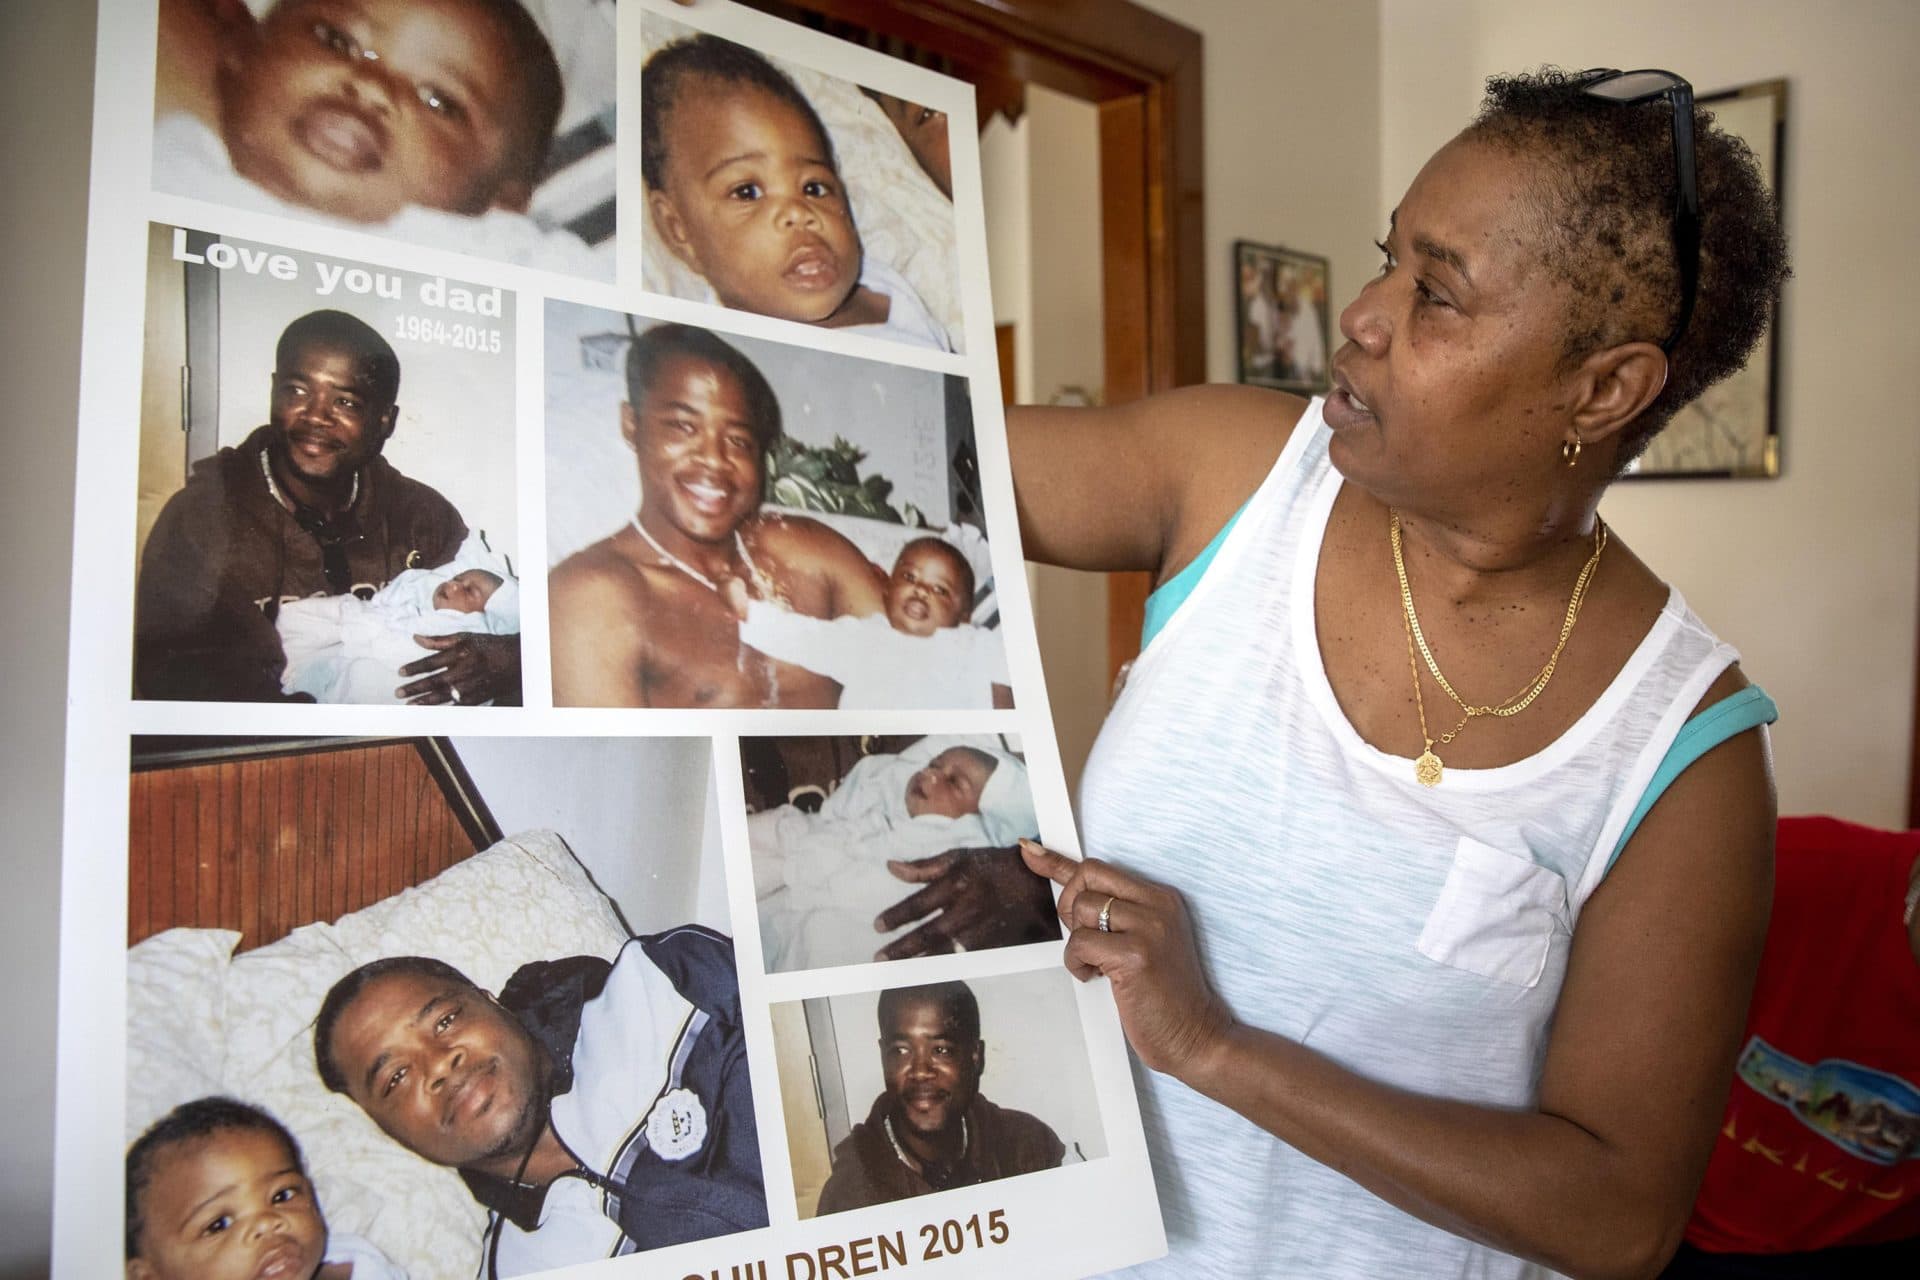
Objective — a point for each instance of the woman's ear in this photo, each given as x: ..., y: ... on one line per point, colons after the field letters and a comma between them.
x: 1614, y: 386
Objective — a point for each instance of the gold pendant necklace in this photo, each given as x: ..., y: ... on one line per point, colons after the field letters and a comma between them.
x: 1427, y: 769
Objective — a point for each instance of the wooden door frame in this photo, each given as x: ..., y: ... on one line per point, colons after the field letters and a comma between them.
x: 1143, y: 73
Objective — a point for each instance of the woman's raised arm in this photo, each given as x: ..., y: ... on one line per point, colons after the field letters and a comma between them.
x: 1142, y: 485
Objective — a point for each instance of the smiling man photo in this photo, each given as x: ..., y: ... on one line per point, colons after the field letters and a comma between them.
x: 595, y: 1109
x: 930, y: 1129
x: 641, y: 618
x: 304, y: 506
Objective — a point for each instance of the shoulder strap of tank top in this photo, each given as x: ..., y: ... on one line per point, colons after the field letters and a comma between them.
x: 1734, y: 714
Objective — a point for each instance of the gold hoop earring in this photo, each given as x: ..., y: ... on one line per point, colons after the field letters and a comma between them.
x: 1570, y: 450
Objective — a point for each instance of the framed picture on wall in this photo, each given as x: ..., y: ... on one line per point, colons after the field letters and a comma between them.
x: 1280, y: 313
x: 1733, y: 430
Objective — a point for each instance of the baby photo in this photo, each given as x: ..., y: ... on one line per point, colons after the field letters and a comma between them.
x: 777, y: 189
x: 326, y: 500
x: 428, y: 1008
x: 483, y: 126
x: 878, y: 848
x: 733, y: 522
x: 917, y: 1089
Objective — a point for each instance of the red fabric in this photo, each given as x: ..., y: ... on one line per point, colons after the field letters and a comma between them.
x: 1838, y: 985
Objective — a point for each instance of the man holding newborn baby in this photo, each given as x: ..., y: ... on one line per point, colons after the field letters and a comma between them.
x: 304, y: 507
x: 705, y: 599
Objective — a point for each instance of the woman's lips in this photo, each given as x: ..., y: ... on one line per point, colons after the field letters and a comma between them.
x: 1343, y: 408
x: 341, y: 137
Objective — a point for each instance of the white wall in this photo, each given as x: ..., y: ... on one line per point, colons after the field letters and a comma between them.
x: 633, y: 810
x: 1812, y: 575
x: 1293, y: 140
x: 1064, y: 349
x: 1004, y: 187
x: 1063, y: 193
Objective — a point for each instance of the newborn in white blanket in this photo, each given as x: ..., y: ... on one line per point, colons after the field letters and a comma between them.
x: 345, y: 649
x: 821, y: 878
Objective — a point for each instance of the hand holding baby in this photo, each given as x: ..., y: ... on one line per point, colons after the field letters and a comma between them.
x: 469, y: 667
x: 983, y: 898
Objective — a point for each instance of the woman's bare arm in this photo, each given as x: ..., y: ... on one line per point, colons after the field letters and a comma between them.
x: 1598, y: 1178
x: 1142, y: 485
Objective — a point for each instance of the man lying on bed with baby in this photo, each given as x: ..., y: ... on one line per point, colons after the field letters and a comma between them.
x: 704, y: 599
x: 595, y: 1108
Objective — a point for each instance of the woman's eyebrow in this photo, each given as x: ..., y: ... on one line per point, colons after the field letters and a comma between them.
x: 1427, y: 248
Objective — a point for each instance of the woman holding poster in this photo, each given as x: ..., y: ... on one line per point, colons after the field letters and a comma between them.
x: 1425, y: 941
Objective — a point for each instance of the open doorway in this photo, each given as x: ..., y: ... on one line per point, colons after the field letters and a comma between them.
x: 1128, y: 81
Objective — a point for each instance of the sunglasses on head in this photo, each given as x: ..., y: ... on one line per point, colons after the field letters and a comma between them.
x: 1630, y: 88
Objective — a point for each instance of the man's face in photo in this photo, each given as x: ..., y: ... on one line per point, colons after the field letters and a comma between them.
x: 441, y: 1068
x: 328, y: 418
x: 701, y: 460
x: 930, y: 1063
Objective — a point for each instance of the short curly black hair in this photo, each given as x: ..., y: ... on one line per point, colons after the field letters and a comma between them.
x: 954, y: 998
x: 349, y: 334
x: 667, y: 75
x: 1606, y: 206
x: 190, y: 1122
x: 652, y: 348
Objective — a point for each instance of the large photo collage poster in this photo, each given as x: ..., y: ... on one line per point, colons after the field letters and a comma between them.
x: 554, y: 696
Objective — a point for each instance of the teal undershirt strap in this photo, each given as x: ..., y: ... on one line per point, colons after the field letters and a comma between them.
x: 1171, y: 594
x: 1734, y: 714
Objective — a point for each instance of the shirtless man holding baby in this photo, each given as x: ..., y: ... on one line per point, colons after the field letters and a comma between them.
x: 640, y: 618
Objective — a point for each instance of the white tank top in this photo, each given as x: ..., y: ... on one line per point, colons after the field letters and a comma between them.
x: 1417, y: 936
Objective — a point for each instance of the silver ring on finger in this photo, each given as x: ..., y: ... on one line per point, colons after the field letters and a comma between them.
x: 1105, y: 923
x: 453, y: 692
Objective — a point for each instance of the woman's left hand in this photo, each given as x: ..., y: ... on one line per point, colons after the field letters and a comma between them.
x: 468, y: 668
x: 1138, y: 935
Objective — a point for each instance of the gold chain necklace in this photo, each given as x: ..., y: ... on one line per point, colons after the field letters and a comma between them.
x: 1427, y: 769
